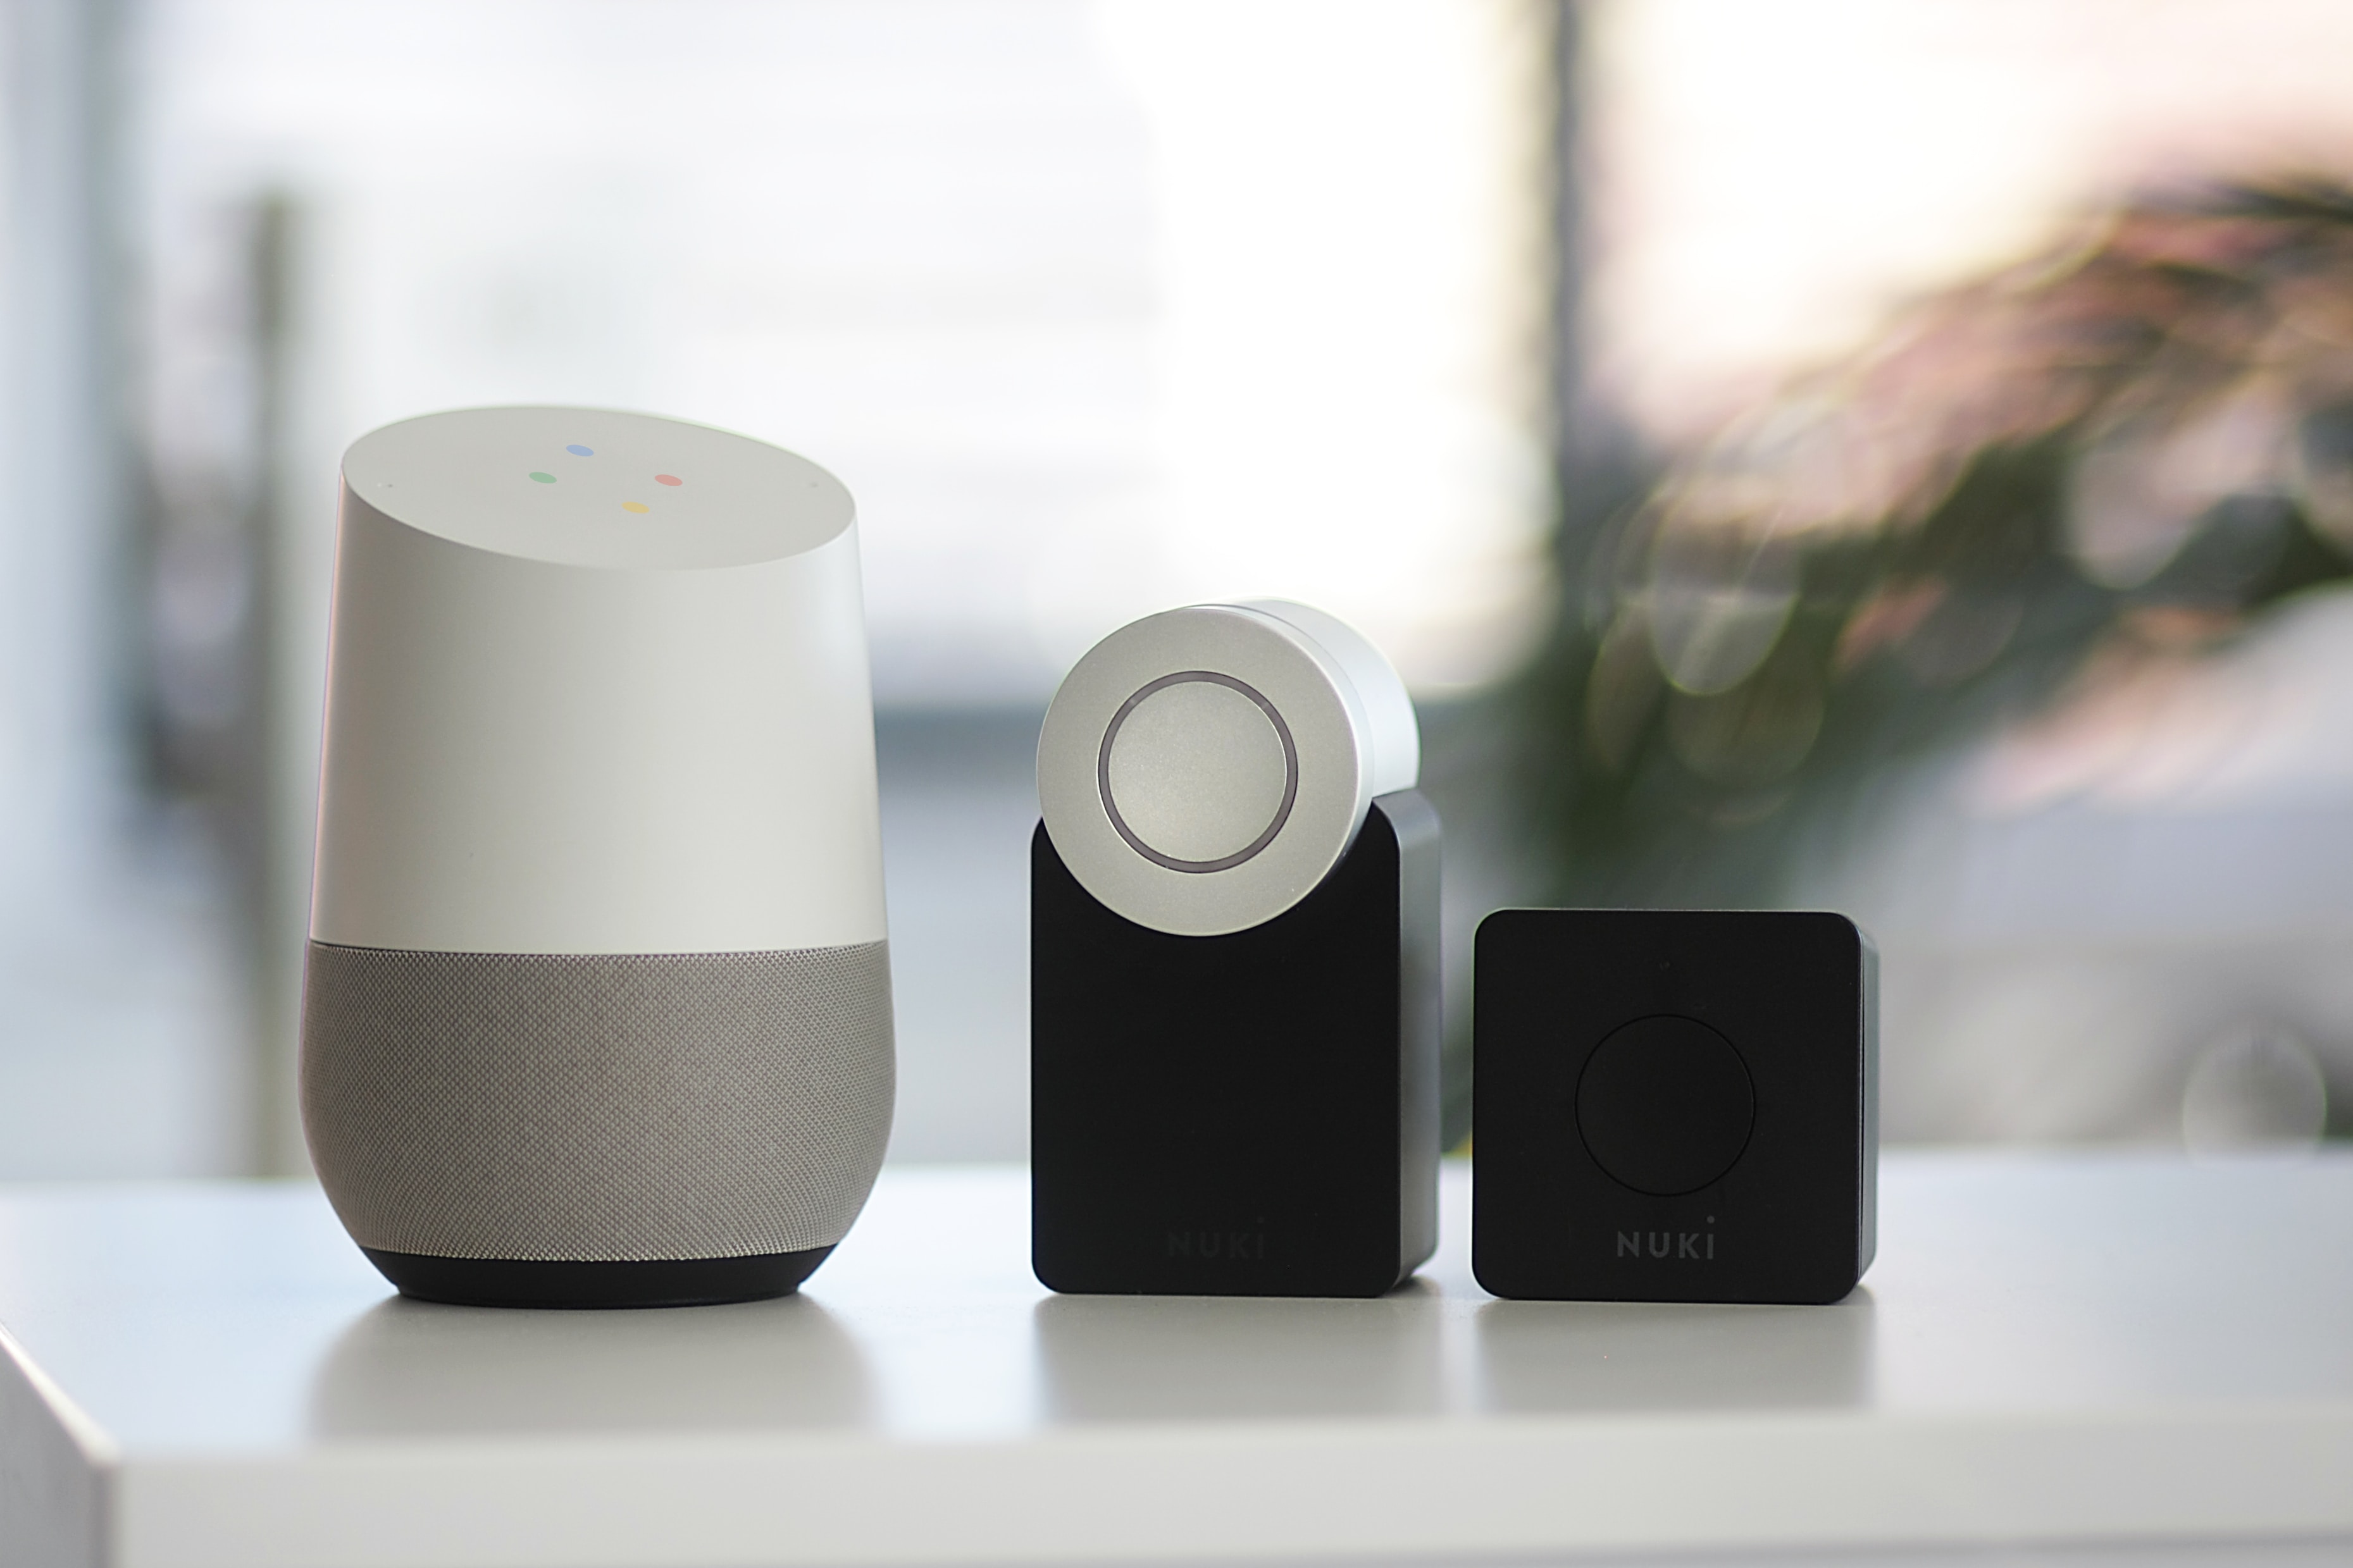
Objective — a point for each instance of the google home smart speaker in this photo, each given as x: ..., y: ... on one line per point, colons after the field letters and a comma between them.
x: 1233, y: 965
x: 1674, y: 1105
x: 598, y: 1000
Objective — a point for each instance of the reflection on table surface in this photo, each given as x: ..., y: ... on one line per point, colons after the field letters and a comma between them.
x: 231, y: 1318
x: 1190, y: 1357
x: 410, y: 1368
x: 1538, y: 1356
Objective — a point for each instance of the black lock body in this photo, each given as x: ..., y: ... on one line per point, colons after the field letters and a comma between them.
x: 1250, y: 1114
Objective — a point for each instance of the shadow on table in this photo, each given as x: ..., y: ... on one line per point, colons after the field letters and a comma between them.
x: 1566, y: 1356
x: 411, y: 1369
x: 1196, y: 1357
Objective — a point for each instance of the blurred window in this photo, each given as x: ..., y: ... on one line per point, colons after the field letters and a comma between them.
x: 1097, y: 308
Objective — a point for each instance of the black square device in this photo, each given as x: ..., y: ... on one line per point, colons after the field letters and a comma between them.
x: 1674, y: 1106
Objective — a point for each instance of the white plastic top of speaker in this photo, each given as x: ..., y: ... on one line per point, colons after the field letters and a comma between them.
x: 587, y: 487
x: 1203, y: 770
x: 596, y: 683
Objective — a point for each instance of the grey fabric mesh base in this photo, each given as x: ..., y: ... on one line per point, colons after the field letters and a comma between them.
x: 596, y: 1107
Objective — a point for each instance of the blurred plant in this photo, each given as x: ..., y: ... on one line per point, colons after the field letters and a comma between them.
x: 2116, y: 452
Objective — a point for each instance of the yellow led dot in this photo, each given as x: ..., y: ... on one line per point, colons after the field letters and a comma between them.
x: 635, y: 505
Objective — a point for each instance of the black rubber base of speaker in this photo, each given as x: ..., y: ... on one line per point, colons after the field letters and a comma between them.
x: 667, y: 1283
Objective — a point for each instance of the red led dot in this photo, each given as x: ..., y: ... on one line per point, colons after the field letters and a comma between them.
x: 668, y: 479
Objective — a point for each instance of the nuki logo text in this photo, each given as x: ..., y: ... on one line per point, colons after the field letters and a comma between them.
x: 1218, y: 1245
x: 1673, y: 1246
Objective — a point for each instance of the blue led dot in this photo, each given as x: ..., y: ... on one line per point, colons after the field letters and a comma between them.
x: 582, y: 451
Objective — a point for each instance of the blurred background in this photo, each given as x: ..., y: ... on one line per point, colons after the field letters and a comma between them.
x: 1894, y: 457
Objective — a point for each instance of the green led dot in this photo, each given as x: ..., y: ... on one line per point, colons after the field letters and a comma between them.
x: 544, y: 478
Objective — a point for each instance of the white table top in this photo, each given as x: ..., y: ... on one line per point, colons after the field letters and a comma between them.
x: 2048, y: 1349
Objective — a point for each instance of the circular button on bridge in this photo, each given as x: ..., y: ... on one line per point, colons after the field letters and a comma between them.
x: 1665, y: 1105
x: 1198, y: 772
